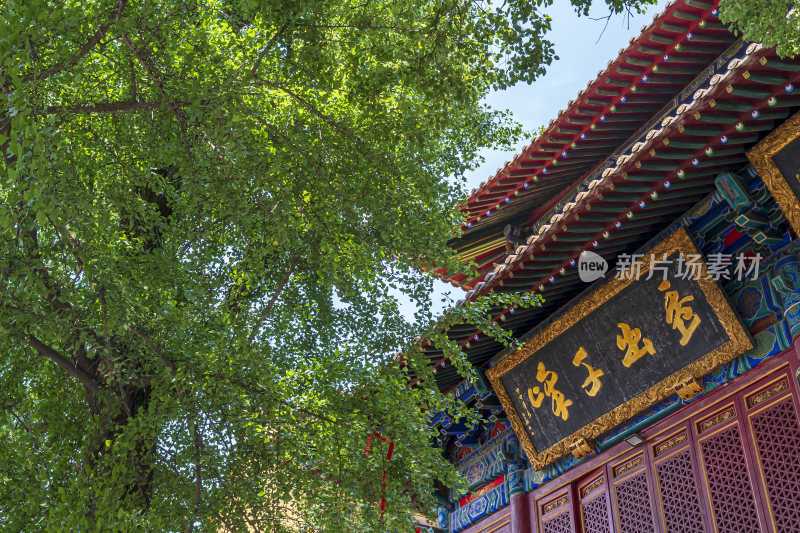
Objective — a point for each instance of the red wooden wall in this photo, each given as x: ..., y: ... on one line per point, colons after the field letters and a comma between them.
x: 729, y: 462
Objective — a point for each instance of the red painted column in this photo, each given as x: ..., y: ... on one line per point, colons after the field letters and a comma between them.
x: 520, y: 508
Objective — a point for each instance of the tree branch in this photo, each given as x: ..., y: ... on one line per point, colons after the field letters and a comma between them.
x: 85, y: 49
x: 112, y: 107
x: 64, y: 363
x: 273, y: 300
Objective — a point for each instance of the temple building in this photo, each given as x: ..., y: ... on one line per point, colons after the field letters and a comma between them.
x: 656, y: 387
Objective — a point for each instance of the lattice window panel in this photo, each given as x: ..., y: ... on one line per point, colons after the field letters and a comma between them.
x: 560, y: 523
x: 633, y: 505
x: 679, y: 500
x: 595, y: 515
x: 777, y: 435
x: 728, y: 483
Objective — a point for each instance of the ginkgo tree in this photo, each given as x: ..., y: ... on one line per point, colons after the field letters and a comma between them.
x: 207, y: 210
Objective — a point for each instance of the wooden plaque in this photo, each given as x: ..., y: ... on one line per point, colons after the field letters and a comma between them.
x: 616, y: 351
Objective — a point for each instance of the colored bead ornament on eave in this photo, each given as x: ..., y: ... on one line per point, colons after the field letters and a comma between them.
x: 681, y: 173
x: 772, y: 101
x: 788, y: 88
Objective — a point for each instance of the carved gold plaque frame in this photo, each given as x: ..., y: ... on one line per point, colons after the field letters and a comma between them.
x: 761, y: 157
x: 738, y: 343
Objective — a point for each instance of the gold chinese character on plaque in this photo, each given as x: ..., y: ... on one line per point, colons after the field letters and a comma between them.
x: 536, y: 394
x: 679, y: 312
x: 592, y: 383
x: 629, y: 341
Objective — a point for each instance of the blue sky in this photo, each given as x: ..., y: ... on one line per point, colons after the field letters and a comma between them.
x: 581, y: 56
